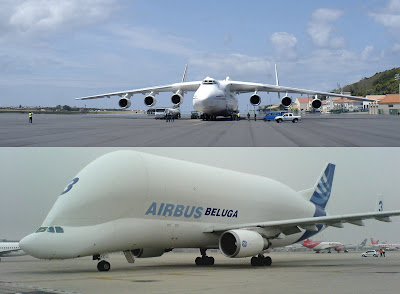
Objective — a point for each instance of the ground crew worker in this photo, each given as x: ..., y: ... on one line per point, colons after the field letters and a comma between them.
x: 30, y: 116
x: 238, y: 116
x: 248, y: 116
x: 255, y: 116
x: 384, y: 253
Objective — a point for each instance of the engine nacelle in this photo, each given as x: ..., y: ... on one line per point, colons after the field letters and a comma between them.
x: 148, y: 252
x: 316, y: 103
x: 150, y: 100
x: 242, y: 243
x: 286, y: 101
x: 177, y: 99
x: 124, y: 103
x: 255, y: 100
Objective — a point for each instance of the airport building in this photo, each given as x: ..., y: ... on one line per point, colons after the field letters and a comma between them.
x: 389, y: 105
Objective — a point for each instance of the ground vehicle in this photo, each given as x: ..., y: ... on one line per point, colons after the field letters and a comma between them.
x: 194, y: 115
x: 370, y: 253
x: 161, y: 113
x: 288, y: 117
x: 272, y: 115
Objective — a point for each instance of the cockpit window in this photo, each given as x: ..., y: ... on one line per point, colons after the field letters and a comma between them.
x: 41, y: 229
x: 50, y: 230
x: 59, y: 230
x: 208, y: 82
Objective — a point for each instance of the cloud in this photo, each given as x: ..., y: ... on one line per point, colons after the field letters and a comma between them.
x: 234, y: 64
x: 388, y: 16
x: 155, y: 40
x: 284, y: 44
x: 396, y: 47
x: 47, y: 16
x: 320, y: 29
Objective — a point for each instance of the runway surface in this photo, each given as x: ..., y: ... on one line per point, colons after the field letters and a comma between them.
x: 140, y: 130
x: 176, y: 273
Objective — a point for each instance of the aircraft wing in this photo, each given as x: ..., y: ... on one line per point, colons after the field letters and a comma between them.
x: 293, y: 225
x: 246, y: 87
x: 184, y: 87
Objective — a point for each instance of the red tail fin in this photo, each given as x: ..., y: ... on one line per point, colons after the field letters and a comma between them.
x: 373, y: 242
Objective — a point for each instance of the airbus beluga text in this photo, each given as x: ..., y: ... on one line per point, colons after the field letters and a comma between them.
x: 215, y: 98
x: 127, y: 201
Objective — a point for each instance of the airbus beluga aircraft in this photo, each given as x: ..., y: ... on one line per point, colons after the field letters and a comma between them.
x: 127, y: 201
x: 215, y: 98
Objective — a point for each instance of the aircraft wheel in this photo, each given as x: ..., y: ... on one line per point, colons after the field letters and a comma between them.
x: 207, y: 260
x: 103, y: 266
x: 267, y: 261
x: 257, y: 261
x: 210, y: 260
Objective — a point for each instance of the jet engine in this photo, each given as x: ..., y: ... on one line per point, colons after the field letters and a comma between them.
x: 150, y: 100
x: 286, y: 101
x: 148, y: 252
x: 255, y: 100
x: 316, y: 103
x: 124, y: 103
x: 177, y: 99
x: 242, y: 243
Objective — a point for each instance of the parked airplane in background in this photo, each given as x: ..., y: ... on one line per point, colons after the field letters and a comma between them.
x: 376, y: 245
x: 317, y: 246
x: 131, y: 201
x: 355, y: 247
x: 215, y: 98
x: 9, y: 249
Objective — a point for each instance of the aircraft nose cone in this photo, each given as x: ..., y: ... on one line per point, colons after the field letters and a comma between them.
x: 27, y: 244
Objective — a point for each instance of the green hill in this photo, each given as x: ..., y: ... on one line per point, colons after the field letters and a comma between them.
x: 379, y: 84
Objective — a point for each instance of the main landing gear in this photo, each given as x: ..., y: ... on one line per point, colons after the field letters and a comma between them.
x: 261, y: 260
x: 204, y: 259
x: 102, y: 266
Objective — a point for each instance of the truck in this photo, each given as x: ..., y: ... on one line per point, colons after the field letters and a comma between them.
x: 288, y: 117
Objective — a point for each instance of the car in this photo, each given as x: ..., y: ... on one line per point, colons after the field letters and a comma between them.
x: 271, y: 115
x: 370, y: 253
x: 194, y: 115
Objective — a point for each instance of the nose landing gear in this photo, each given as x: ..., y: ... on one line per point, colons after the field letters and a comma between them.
x: 103, y: 265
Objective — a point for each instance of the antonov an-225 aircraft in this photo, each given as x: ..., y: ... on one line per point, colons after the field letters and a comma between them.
x: 215, y: 98
x: 128, y: 201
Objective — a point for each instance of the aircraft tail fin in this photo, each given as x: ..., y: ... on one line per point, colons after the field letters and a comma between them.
x: 277, y: 80
x: 373, y: 242
x: 184, y: 74
x: 276, y: 76
x: 323, y: 187
x: 363, y: 243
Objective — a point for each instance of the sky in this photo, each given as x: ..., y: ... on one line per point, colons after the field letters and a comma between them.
x: 31, y: 179
x: 54, y: 51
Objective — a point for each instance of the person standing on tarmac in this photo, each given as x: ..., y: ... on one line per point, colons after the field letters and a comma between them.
x: 255, y: 116
x: 238, y: 116
x: 248, y: 116
x: 30, y: 116
x: 384, y: 253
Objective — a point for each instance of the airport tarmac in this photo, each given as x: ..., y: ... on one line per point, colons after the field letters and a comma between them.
x: 176, y: 273
x: 97, y: 130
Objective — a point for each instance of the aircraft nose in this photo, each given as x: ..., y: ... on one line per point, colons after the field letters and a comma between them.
x: 31, y: 245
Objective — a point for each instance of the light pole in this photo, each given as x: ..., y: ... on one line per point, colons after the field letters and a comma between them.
x: 397, y: 77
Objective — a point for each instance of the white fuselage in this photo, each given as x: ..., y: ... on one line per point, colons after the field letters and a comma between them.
x: 214, y: 98
x: 8, y: 249
x: 128, y: 200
